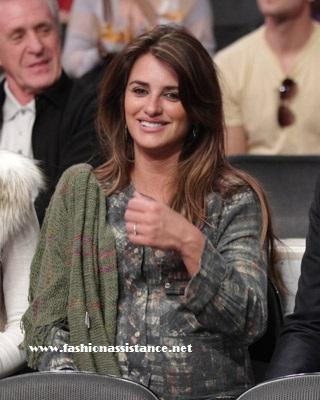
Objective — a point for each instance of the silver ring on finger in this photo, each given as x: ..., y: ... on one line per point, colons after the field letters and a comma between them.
x: 135, y: 230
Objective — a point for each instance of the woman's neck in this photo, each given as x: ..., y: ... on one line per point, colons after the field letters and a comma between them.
x: 154, y: 178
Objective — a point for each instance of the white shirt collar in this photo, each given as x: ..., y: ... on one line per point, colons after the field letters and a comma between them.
x: 12, y: 107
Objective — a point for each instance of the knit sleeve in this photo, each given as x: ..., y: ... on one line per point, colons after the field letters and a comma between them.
x: 49, y: 278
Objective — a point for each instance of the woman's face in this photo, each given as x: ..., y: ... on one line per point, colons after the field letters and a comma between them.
x: 156, y: 119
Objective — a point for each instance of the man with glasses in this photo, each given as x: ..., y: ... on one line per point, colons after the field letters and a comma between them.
x: 271, y: 83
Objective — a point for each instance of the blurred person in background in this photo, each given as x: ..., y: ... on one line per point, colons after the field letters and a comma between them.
x: 43, y: 114
x: 100, y: 28
x: 270, y: 82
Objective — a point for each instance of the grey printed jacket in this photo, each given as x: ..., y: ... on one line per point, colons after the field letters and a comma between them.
x: 219, y: 312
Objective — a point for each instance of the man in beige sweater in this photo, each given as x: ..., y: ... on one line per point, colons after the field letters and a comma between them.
x: 271, y: 83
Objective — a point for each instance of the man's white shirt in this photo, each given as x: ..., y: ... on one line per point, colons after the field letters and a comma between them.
x: 18, y: 120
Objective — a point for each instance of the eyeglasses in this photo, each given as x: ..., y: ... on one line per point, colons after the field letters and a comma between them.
x: 287, y: 91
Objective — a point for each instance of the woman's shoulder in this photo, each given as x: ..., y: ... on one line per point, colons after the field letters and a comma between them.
x: 77, y: 181
x: 242, y: 194
x: 233, y: 191
x: 76, y: 190
x: 76, y: 174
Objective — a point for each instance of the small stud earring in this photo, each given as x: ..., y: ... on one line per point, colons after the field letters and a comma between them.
x: 194, y: 132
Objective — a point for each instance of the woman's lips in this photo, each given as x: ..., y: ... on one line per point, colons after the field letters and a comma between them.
x: 152, y: 124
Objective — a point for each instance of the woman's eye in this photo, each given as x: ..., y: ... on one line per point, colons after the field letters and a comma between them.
x: 174, y: 96
x: 139, y: 91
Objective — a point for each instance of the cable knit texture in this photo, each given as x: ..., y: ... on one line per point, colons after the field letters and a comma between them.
x: 73, y: 274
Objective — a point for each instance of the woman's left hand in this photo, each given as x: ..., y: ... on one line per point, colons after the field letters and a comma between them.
x: 152, y: 223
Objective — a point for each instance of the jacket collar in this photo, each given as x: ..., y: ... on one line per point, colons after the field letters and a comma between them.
x: 53, y: 94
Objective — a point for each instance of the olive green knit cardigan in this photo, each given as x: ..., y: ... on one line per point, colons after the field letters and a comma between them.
x: 73, y: 274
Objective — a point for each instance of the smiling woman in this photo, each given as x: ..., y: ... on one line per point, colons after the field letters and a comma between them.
x: 164, y: 244
x: 156, y: 119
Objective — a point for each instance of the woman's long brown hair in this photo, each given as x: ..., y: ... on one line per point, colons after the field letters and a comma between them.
x: 203, y: 166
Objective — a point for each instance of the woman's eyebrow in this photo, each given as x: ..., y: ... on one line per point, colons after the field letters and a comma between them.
x: 137, y: 82
x: 142, y: 83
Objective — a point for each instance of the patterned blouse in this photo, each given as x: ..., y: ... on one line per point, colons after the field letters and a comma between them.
x: 216, y: 314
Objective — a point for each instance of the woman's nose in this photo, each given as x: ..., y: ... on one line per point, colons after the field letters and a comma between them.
x: 153, y: 106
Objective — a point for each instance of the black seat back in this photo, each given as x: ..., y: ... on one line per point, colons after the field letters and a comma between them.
x: 292, y: 387
x: 289, y: 183
x: 71, y: 386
